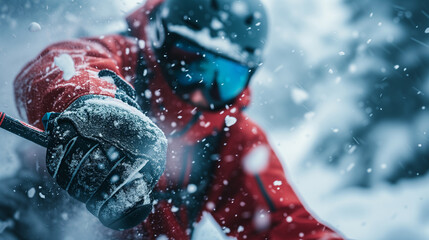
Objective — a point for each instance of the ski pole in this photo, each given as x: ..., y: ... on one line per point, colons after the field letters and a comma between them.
x: 23, y: 129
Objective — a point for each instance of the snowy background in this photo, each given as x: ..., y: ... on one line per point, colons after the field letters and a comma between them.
x: 342, y: 95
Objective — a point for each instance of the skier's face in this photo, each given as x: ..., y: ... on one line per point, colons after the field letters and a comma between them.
x: 204, y: 78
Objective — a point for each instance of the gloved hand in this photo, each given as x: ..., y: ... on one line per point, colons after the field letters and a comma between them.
x: 107, y: 154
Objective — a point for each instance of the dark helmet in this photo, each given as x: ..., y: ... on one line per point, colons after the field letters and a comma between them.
x: 241, y: 22
x: 223, y: 32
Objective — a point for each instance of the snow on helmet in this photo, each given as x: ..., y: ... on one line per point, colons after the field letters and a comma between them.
x: 237, y: 29
x: 210, y: 45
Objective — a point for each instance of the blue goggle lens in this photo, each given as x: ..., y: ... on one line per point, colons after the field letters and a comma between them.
x: 224, y: 79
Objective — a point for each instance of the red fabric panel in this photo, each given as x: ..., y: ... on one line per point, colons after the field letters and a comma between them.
x: 238, y: 202
x: 40, y: 86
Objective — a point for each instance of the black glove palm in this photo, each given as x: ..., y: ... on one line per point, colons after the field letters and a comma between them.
x: 108, y: 155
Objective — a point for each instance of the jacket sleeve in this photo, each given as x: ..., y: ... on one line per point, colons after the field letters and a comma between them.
x: 253, y: 199
x: 68, y: 70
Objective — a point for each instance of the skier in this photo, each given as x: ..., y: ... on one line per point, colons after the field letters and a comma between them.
x: 186, y: 65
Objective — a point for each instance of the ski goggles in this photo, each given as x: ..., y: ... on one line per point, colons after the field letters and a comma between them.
x: 220, y: 79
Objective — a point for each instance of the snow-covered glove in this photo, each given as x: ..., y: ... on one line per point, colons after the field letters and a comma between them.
x: 108, y: 155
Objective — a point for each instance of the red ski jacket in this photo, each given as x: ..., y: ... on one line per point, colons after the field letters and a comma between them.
x: 231, y: 173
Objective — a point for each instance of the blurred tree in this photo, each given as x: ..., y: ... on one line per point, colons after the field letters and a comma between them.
x: 392, y: 50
